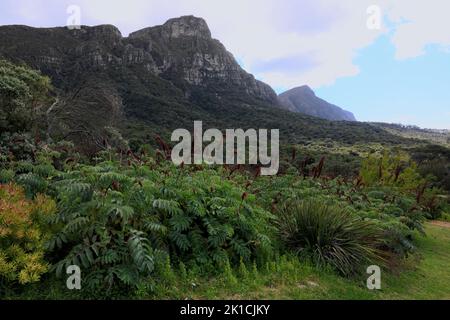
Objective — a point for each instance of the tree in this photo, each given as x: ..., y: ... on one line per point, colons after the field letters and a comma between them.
x: 24, y: 96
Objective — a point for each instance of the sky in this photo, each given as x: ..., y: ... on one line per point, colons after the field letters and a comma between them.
x: 383, y: 60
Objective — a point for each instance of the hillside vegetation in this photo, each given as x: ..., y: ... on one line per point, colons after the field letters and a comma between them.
x: 348, y: 195
x: 156, y: 80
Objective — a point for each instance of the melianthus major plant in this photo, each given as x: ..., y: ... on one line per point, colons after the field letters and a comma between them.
x: 119, y: 222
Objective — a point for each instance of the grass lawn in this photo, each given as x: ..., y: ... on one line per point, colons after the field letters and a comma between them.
x: 426, y: 275
x: 431, y: 278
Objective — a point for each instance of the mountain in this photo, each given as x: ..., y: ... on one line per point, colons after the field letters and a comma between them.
x: 154, y: 81
x: 181, y: 50
x: 304, y: 100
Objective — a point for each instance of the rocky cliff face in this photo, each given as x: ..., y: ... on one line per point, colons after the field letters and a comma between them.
x: 304, y: 100
x: 184, y: 47
x: 181, y: 50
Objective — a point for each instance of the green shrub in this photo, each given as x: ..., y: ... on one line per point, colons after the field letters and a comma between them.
x: 445, y: 217
x: 376, y: 194
x: 120, y: 223
x: 6, y: 175
x: 23, y: 93
x: 329, y: 235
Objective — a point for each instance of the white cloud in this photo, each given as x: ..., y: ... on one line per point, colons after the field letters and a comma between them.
x: 273, y: 30
x: 419, y: 23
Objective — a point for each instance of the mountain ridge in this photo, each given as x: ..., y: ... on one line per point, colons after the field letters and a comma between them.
x: 213, y: 60
x: 303, y: 99
x: 154, y: 81
x: 149, y: 47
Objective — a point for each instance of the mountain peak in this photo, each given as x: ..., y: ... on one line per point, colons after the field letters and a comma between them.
x: 184, y: 26
x: 188, y: 26
x: 107, y: 28
x: 304, y: 100
x: 305, y: 89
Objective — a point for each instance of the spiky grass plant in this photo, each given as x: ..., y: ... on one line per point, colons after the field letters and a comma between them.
x: 330, y: 235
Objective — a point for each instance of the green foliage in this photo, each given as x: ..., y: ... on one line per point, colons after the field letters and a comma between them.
x: 23, y: 95
x: 16, y: 147
x: 330, y: 235
x: 6, y: 175
x: 128, y: 219
x: 118, y: 222
x: 402, y: 175
x: 391, y: 170
x: 209, y: 223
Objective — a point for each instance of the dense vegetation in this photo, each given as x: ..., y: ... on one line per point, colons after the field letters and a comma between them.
x: 135, y: 224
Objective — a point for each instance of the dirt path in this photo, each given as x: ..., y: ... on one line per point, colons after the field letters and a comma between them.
x: 441, y: 224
